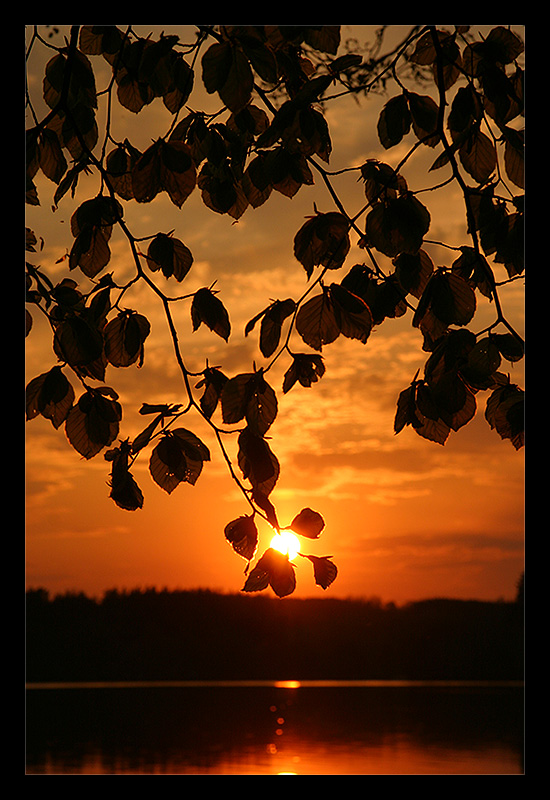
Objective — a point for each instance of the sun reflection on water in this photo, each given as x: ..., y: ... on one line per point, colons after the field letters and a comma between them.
x: 287, y: 684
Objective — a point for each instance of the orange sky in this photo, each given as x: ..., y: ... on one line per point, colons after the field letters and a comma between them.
x: 405, y: 518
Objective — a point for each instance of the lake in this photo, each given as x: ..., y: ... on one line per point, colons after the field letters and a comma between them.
x: 275, y: 728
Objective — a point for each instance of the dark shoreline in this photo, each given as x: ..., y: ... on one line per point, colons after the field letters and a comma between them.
x: 156, y: 635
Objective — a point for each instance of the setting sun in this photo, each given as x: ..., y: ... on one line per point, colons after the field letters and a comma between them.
x: 286, y: 542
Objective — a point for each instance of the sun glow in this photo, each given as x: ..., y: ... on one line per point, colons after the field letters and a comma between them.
x: 286, y: 542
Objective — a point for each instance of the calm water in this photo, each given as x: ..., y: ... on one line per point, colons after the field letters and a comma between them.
x: 286, y: 728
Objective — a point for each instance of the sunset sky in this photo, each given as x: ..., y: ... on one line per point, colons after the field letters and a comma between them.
x: 405, y: 518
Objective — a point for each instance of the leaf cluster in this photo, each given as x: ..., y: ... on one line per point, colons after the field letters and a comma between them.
x: 270, y: 135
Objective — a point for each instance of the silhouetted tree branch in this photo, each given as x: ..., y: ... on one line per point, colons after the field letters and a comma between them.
x: 269, y: 135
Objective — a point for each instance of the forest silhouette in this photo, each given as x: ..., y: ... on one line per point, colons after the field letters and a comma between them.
x: 157, y: 634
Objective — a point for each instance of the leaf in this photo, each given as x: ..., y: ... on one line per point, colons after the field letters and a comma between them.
x: 413, y: 270
x: 449, y: 298
x: 177, y: 458
x: 316, y: 321
x: 213, y: 382
x: 266, y: 505
x: 397, y: 226
x: 91, y: 251
x: 177, y: 171
x: 93, y: 423
x: 257, y: 462
x: 50, y: 395
x: 275, y: 570
x: 478, y: 156
x: 242, y: 535
x: 124, y: 490
x: 207, y: 308
x: 249, y: 396
x: 146, y: 174
x: 394, y: 121
x: 271, y: 326
x: 483, y: 361
x: 514, y: 155
x: 505, y: 413
x: 305, y: 369
x: 77, y: 342
x: 509, y: 346
x: 474, y: 268
x: 50, y: 155
x: 424, y: 113
x: 324, y: 570
x: 351, y: 312
x: 308, y: 523
x: 323, y: 241
x: 169, y: 255
x: 164, y: 166
x: 81, y: 90
x: 124, y: 337
x: 225, y: 70
x: 382, y: 182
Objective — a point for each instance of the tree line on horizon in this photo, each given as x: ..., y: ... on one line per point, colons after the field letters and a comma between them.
x: 203, y: 635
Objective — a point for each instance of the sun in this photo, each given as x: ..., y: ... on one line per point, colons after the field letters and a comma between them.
x: 286, y: 542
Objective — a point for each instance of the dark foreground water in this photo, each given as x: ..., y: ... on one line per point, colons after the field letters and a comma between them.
x: 275, y: 728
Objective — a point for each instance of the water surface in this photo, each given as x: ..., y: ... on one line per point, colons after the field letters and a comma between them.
x: 275, y: 728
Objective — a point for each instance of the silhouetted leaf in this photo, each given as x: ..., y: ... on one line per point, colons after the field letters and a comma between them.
x: 93, y: 423
x: 508, y: 346
x: 353, y: 315
x: 316, y: 322
x: 124, y: 490
x: 97, y: 40
x: 305, y: 369
x: 272, y: 318
x: 324, y: 570
x: 266, y: 505
x: 143, y: 438
x: 50, y: 155
x: 177, y: 458
x: 413, y: 270
x: 242, y: 534
x: 81, y: 89
x: 424, y: 114
x: 257, y: 462
x: 249, y: 396
x: 474, y: 268
x: 322, y: 241
x: 382, y: 182
x: 397, y: 226
x: 124, y: 337
x: 181, y: 84
x: 77, y: 342
x: 208, y: 308
x: 225, y: 70
x: 514, y: 155
x: 50, y: 395
x: 91, y: 251
x: 505, y: 413
x: 308, y: 523
x: 449, y: 298
x: 394, y: 121
x: 273, y: 569
x: 478, y: 156
x: 213, y: 381
x: 483, y: 361
x: 325, y: 38
x: 164, y: 166
x: 221, y: 191
x: 169, y: 255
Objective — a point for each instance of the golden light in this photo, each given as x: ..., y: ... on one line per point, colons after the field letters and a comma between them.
x: 287, y: 543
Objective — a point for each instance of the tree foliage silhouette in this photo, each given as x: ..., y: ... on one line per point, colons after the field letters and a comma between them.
x: 271, y: 135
